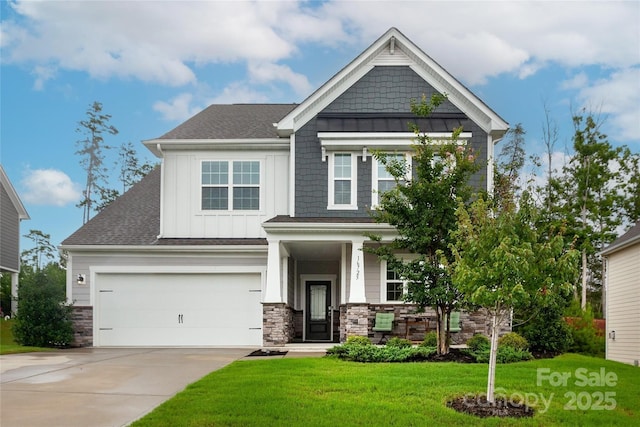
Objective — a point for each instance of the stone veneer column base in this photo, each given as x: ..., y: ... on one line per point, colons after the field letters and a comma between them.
x: 82, y: 319
x: 356, y: 320
x: 277, y: 324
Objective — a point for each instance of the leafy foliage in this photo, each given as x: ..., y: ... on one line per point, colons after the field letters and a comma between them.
x: 44, y: 317
x: 505, y: 354
x: 430, y: 339
x: 583, y: 332
x: 547, y: 332
x: 396, y: 350
x: 478, y: 342
x: 422, y: 208
x: 513, y: 340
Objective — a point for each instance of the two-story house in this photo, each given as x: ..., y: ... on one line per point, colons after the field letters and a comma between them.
x: 12, y: 212
x: 251, y: 232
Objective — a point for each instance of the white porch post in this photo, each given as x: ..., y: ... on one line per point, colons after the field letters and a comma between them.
x: 356, y: 288
x: 273, y: 292
x: 14, y: 293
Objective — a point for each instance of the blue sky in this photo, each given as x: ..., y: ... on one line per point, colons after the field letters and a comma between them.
x: 153, y: 64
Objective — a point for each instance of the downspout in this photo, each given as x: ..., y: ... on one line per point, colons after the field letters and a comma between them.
x: 159, y: 148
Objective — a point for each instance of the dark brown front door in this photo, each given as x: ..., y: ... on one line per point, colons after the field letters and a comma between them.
x: 318, y: 314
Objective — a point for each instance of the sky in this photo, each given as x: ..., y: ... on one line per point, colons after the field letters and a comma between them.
x: 154, y: 64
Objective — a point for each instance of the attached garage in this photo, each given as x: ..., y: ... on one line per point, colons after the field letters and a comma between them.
x: 186, y: 309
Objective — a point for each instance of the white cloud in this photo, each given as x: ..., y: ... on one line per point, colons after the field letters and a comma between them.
x: 578, y: 81
x: 618, y: 97
x: 238, y: 93
x: 178, y: 109
x: 50, y: 187
x: 269, y: 72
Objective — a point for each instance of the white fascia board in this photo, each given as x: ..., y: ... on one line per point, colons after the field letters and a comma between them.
x: 382, y: 140
x: 166, y: 249
x: 624, y: 245
x: 325, y: 232
x: 157, y: 146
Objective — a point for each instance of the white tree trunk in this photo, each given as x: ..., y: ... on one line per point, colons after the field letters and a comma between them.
x: 583, y: 301
x: 492, y: 358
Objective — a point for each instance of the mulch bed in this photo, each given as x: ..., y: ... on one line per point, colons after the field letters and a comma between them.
x: 454, y: 355
x: 480, y: 407
x: 266, y: 353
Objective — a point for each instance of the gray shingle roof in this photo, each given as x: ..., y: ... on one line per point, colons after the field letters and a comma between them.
x: 132, y: 219
x: 632, y: 235
x: 235, y: 121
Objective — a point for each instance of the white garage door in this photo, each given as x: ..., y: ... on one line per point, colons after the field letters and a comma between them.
x: 178, y: 309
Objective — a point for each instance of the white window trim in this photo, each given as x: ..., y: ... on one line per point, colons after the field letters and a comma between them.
x: 354, y: 182
x: 375, y: 198
x: 230, y: 186
x: 383, y: 285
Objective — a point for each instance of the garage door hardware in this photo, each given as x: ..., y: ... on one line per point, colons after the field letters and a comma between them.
x: 180, y: 318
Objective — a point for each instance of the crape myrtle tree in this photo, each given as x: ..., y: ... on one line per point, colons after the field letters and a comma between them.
x: 502, y: 260
x: 422, y: 207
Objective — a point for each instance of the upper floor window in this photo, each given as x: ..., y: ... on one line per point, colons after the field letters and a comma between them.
x: 342, y: 181
x: 240, y: 191
x: 381, y: 180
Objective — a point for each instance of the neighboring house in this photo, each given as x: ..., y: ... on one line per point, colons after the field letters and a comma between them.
x: 251, y: 231
x: 622, y: 283
x: 12, y: 212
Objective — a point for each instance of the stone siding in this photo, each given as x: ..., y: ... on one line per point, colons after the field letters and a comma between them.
x: 82, y: 319
x: 356, y: 320
x: 277, y: 324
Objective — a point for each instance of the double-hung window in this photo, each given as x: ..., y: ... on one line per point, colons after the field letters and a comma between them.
x: 342, y: 181
x: 382, y: 181
x: 230, y: 185
x: 393, y: 285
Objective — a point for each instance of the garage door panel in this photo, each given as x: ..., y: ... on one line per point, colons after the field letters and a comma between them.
x: 178, y: 309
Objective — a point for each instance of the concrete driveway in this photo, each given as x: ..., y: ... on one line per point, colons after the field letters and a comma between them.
x: 99, y: 386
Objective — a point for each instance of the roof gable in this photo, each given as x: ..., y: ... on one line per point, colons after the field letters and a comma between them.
x: 393, y: 49
x: 13, y: 195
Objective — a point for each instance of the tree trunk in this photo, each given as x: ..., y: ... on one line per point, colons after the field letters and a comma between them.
x: 443, y: 342
x: 583, y: 300
x: 492, y: 358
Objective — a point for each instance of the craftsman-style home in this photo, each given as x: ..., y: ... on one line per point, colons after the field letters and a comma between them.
x: 251, y: 231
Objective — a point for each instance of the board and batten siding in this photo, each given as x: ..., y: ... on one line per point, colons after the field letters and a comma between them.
x: 623, y: 305
x: 82, y: 264
x: 182, y: 216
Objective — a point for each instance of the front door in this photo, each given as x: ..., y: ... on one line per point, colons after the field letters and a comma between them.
x: 318, y: 313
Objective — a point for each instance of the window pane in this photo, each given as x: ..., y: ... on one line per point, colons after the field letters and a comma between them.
x: 318, y: 303
x: 342, y: 192
x: 246, y: 173
x: 215, y: 173
x: 215, y: 198
x: 384, y: 186
x: 394, y: 291
x: 246, y: 198
x: 392, y: 159
x: 342, y: 166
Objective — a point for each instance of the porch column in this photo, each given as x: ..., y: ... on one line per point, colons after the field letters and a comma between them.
x: 14, y: 293
x: 356, y: 288
x: 273, y: 291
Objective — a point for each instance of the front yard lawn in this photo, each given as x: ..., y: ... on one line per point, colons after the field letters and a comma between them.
x: 8, y: 345
x: 330, y: 392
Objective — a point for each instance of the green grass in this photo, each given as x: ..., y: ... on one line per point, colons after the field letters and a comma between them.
x: 9, y: 346
x: 329, y: 392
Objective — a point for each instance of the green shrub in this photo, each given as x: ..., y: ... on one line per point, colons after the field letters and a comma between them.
x: 44, y: 317
x: 505, y: 355
x: 513, y: 340
x: 358, y: 340
x: 370, y: 353
x: 430, y: 340
x: 583, y: 332
x: 399, y: 342
x: 547, y: 332
x: 478, y: 342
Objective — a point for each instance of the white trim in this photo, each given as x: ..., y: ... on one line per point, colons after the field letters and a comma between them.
x: 303, y: 282
x: 150, y: 250
x: 292, y: 175
x: 343, y: 274
x: 162, y: 197
x: 490, y: 164
x: 421, y: 63
x: 157, y: 146
x: 383, y: 286
x: 353, y: 205
x: 69, y: 280
x: 167, y: 269
x: 230, y: 186
x: 13, y: 195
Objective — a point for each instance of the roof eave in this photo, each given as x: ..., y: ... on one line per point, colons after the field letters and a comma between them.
x: 159, y: 145
x: 165, y: 248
